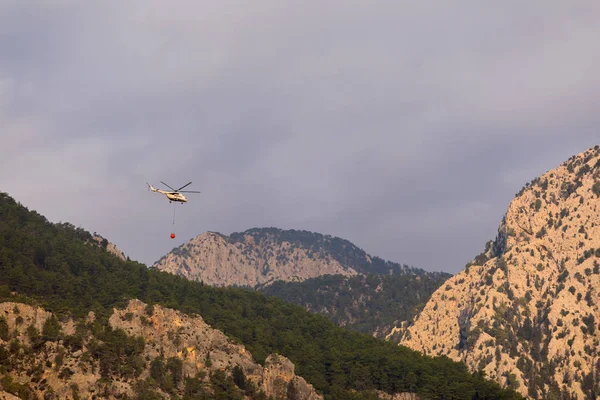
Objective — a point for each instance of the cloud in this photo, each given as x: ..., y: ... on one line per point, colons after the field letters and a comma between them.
x: 406, y: 128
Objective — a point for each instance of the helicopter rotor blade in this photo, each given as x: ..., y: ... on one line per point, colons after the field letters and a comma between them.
x: 183, y: 186
x: 168, y: 186
x: 188, y: 191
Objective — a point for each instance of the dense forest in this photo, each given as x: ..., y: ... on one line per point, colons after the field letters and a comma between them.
x: 372, y: 304
x: 60, y: 268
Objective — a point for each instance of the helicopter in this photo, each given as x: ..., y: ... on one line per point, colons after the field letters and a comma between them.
x: 175, y: 195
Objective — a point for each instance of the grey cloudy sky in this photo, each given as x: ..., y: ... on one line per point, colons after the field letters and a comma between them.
x: 405, y: 127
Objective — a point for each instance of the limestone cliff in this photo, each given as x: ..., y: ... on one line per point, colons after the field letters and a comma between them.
x: 264, y: 255
x: 149, y: 352
x: 526, y: 311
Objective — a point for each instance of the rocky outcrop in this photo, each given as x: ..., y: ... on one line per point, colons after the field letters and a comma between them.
x: 110, y: 247
x: 7, y: 396
x: 51, y: 365
x: 526, y: 311
x: 19, y: 316
x: 174, y: 334
x: 216, y: 260
x: 161, y: 335
x: 280, y: 381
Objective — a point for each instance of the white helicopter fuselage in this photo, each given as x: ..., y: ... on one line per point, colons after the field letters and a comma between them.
x: 175, y: 197
x: 172, y: 196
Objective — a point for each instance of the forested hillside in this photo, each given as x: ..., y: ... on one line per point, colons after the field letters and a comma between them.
x: 372, y: 304
x: 61, y: 268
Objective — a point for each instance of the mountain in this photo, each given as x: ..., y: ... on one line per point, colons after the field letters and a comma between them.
x: 261, y: 256
x: 526, y: 310
x: 60, y: 269
x: 324, y: 274
x: 371, y: 304
x: 146, y: 352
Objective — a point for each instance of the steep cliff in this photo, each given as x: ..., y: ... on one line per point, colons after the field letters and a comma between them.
x: 526, y: 310
x: 162, y: 352
x: 263, y: 256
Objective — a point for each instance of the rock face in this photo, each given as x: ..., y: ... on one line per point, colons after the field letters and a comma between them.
x: 218, y: 260
x: 174, y: 334
x: 110, y: 247
x: 161, y: 336
x: 7, y: 396
x: 526, y: 311
x: 280, y: 381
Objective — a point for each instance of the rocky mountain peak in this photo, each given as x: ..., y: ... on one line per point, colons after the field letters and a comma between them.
x: 261, y: 256
x: 526, y: 309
